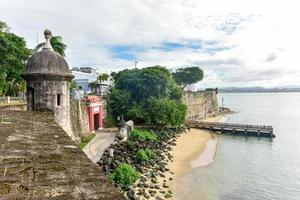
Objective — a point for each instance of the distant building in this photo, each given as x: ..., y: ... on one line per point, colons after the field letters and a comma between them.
x: 84, y: 76
x: 86, y: 79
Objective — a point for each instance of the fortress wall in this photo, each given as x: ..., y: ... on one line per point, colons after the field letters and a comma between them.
x: 199, y: 102
x: 79, y: 119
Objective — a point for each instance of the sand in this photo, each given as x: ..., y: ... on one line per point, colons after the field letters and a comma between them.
x: 193, y: 149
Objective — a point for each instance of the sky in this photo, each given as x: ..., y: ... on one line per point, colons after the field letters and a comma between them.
x: 237, y: 43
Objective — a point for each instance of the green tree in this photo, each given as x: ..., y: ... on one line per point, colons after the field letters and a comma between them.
x: 167, y: 112
x: 187, y: 76
x: 57, y: 45
x: 135, y: 90
x: 13, y: 54
x: 73, y: 85
x: 103, y: 77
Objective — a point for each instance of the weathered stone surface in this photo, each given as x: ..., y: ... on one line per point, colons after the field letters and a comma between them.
x: 199, y: 102
x: 39, y: 161
x: 48, y: 62
x: 79, y: 119
x: 48, y: 79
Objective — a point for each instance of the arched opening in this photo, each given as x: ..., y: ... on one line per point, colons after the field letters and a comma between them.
x: 30, y: 98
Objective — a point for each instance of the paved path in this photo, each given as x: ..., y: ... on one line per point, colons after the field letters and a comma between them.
x: 96, y: 147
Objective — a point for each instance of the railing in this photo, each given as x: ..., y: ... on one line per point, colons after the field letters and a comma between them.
x: 236, y: 126
x: 12, y: 99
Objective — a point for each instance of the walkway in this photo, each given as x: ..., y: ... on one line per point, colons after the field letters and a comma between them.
x: 96, y: 147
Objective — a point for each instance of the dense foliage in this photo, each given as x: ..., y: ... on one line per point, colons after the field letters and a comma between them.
x: 124, y: 175
x: 13, y: 54
x: 135, y: 91
x: 187, y: 76
x: 145, y: 155
x: 167, y: 112
x: 142, y: 135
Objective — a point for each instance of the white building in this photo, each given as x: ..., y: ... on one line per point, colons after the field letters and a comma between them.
x: 85, y: 76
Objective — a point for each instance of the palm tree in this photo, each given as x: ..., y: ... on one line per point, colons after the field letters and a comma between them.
x: 57, y: 45
x: 103, y: 77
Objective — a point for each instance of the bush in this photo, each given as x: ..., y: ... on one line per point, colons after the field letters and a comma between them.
x: 131, y: 145
x: 145, y: 155
x: 167, y: 112
x: 142, y: 135
x: 124, y: 175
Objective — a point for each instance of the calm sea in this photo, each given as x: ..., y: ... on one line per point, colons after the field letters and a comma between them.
x: 250, y: 168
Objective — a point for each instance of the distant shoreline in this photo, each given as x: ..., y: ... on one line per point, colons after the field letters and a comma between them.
x: 259, y: 92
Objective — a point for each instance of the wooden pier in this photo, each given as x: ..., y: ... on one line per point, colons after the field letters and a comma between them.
x: 235, y: 129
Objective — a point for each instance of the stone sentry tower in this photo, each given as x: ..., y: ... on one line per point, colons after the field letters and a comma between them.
x: 48, y: 78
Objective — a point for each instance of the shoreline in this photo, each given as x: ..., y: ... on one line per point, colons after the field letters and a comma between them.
x: 193, y: 149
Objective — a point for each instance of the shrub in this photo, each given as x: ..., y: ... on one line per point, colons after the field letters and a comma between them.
x: 167, y: 112
x: 131, y: 144
x: 145, y: 155
x: 124, y: 175
x: 142, y: 135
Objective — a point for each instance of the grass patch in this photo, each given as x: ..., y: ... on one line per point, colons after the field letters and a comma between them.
x: 142, y: 135
x: 145, y: 155
x: 86, y: 140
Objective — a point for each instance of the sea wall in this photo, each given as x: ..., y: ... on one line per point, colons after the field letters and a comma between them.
x: 79, y: 119
x: 201, y: 103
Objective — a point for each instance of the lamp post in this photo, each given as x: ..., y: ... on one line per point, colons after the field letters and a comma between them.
x: 222, y: 103
x: 135, y: 63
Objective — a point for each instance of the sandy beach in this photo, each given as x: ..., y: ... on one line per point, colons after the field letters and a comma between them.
x: 193, y: 149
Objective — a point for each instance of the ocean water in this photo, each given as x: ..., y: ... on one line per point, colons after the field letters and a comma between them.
x: 251, y: 168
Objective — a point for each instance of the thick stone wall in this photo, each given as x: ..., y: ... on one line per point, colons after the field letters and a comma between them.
x: 79, y: 119
x: 51, y: 95
x: 200, y: 104
x: 38, y: 160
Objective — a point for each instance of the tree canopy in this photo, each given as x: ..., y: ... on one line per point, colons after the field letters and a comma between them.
x: 103, y: 77
x: 13, y: 54
x: 138, y: 93
x: 57, y: 45
x: 187, y: 76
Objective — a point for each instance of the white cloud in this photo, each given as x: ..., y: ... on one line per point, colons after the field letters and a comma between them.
x: 242, y: 43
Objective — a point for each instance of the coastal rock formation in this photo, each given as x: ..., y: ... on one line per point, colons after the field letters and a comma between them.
x: 38, y: 160
x: 148, y: 184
